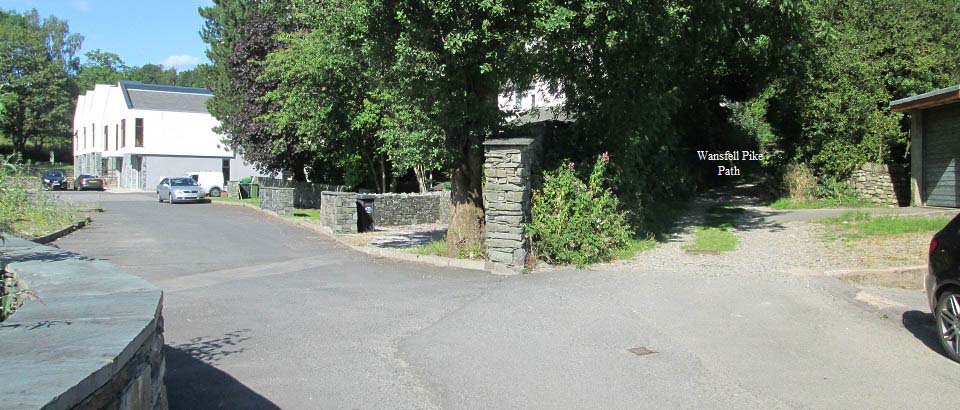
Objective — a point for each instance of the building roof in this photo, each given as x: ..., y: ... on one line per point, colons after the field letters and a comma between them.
x: 165, y: 97
x: 935, y: 98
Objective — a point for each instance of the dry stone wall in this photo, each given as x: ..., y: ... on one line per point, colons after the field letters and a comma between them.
x: 411, y: 209
x: 305, y: 194
x: 279, y: 200
x: 882, y: 184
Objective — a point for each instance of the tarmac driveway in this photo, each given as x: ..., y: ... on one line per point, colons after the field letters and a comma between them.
x: 261, y: 314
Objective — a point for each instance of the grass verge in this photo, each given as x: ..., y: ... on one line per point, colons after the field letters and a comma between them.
x: 633, y: 247
x: 788, y: 204
x: 861, y: 225
x: 306, y: 214
x: 439, y: 248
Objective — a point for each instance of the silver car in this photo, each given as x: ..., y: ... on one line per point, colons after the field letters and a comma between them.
x: 179, y: 190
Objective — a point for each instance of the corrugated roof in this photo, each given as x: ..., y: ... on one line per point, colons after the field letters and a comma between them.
x: 165, y: 97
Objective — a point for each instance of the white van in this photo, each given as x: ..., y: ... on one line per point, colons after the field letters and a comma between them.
x: 211, y: 182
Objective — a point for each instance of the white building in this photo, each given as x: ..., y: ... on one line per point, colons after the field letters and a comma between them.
x: 533, y: 104
x: 135, y: 134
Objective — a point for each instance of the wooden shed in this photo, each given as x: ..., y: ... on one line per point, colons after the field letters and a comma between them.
x: 934, y: 146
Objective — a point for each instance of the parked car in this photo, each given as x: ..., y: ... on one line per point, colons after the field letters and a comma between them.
x: 85, y: 181
x: 179, y: 189
x: 53, y: 179
x: 942, y: 283
x: 211, y: 182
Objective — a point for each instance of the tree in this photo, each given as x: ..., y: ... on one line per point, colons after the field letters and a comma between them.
x: 343, y: 96
x: 198, y: 77
x: 869, y: 53
x: 240, y: 35
x: 37, y: 65
x: 101, y: 67
x: 152, y: 74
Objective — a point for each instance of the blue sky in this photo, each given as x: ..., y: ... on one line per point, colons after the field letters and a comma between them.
x: 140, y: 31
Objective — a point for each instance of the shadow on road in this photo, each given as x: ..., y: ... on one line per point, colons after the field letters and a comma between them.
x: 194, y: 383
x: 923, y: 326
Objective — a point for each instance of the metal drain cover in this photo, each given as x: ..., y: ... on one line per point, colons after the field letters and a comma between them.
x: 642, y: 351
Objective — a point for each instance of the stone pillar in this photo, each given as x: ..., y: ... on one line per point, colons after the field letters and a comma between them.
x: 506, y: 198
x: 338, y: 211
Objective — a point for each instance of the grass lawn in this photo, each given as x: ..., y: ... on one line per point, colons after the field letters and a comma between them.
x: 312, y: 215
x: 716, y: 236
x: 251, y: 201
x: 712, y: 240
x: 787, y: 203
x: 860, y: 225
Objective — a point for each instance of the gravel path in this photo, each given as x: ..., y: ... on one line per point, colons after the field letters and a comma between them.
x: 769, y: 243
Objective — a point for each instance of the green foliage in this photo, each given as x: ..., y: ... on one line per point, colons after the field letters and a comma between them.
x: 25, y: 209
x: 576, y: 222
x: 861, y: 54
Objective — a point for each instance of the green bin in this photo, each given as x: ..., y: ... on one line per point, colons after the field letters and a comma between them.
x: 254, y: 190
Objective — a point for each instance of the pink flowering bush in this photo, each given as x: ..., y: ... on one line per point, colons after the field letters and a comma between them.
x: 577, y: 222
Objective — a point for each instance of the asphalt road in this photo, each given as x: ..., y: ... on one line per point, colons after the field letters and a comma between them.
x: 261, y: 314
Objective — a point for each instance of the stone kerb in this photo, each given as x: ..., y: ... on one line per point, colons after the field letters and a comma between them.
x: 279, y: 200
x: 338, y: 211
x: 506, y: 198
x: 96, y: 343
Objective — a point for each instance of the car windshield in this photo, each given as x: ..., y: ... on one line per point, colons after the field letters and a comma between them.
x: 86, y: 176
x: 53, y: 174
x: 183, y: 182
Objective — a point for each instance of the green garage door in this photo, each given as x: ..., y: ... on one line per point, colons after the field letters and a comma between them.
x: 941, y: 151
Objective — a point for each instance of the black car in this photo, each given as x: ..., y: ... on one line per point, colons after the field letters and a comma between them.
x: 88, y: 182
x: 53, y: 179
x: 943, y: 285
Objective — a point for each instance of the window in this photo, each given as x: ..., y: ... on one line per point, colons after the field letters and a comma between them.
x: 106, y: 136
x: 123, y: 133
x: 76, y: 139
x: 116, y: 137
x: 84, y: 137
x: 138, y: 132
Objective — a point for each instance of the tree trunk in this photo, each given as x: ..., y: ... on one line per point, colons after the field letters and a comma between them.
x: 466, y: 228
x: 299, y: 170
x: 421, y: 175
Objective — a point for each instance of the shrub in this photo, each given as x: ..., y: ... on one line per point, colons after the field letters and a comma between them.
x: 576, y: 222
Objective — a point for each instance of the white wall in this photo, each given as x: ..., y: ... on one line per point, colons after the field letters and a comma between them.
x: 165, y: 133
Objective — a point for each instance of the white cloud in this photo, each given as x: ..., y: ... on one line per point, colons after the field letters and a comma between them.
x: 181, y: 62
x: 82, y: 6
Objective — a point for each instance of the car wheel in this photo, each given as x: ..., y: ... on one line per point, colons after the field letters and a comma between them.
x: 215, y: 192
x: 170, y: 199
x: 948, y: 322
x: 159, y: 198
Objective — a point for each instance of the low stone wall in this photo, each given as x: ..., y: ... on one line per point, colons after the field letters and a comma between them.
x: 279, y: 200
x: 882, y: 184
x: 338, y: 211
x: 411, y: 209
x: 306, y: 194
x: 96, y: 343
